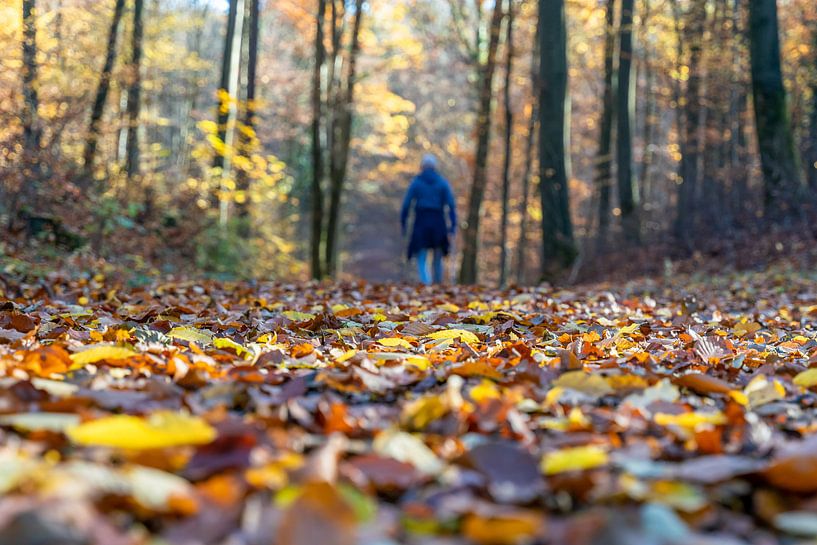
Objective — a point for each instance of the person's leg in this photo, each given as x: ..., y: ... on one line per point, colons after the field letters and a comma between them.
x: 422, y: 266
x: 438, y: 266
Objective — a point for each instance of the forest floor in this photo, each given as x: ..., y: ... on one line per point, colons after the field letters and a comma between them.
x: 667, y: 411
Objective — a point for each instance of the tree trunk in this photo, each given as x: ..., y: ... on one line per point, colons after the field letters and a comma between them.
x: 811, y: 167
x: 522, y: 244
x: 340, y: 146
x: 102, y: 90
x: 249, y: 140
x: 32, y: 133
x: 559, y: 247
x: 223, y: 107
x: 506, y: 167
x: 650, y: 114
x: 317, y: 152
x: 604, y: 176
x: 627, y: 185
x: 691, y: 147
x: 468, y: 270
x: 132, y: 166
x: 778, y: 155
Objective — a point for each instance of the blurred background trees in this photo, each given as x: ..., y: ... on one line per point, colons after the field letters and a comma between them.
x: 275, y: 138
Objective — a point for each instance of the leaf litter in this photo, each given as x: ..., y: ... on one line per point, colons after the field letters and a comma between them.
x: 244, y: 414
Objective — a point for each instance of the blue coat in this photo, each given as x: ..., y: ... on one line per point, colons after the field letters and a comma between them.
x: 429, y: 195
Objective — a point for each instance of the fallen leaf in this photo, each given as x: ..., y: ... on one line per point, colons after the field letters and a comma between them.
x: 159, y: 430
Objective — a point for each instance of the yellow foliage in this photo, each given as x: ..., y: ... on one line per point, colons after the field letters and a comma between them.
x: 395, y: 342
x: 807, y: 378
x: 191, y: 334
x: 100, y: 353
x: 690, y: 420
x: 574, y: 459
x: 461, y: 334
x: 159, y: 430
x: 484, y: 390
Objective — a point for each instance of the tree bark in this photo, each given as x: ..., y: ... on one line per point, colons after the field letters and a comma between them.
x: 132, y: 166
x: 249, y: 140
x: 468, y: 270
x: 778, y: 154
x: 506, y: 167
x: 559, y: 247
x: 102, y: 90
x: 604, y: 176
x: 340, y: 146
x: 317, y: 151
x: 691, y: 147
x: 627, y: 185
x: 811, y: 167
x: 522, y: 244
x: 223, y: 106
x: 645, y: 174
x: 32, y: 132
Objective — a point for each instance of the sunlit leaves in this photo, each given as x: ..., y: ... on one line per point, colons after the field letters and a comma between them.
x: 159, y: 430
x: 574, y: 459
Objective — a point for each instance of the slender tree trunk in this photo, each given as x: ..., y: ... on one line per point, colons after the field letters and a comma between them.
x: 506, y: 167
x: 627, y: 185
x: 650, y: 114
x: 468, y: 270
x: 132, y: 166
x: 778, y: 154
x: 559, y: 248
x: 249, y: 140
x: 811, y: 167
x: 340, y: 146
x: 223, y: 107
x: 102, y: 89
x: 604, y: 176
x: 692, y: 125
x: 317, y: 152
x: 522, y: 244
x: 32, y: 132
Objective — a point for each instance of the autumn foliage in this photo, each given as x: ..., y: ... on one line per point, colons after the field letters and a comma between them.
x: 201, y: 412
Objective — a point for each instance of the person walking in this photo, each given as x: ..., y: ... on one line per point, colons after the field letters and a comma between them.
x: 428, y: 196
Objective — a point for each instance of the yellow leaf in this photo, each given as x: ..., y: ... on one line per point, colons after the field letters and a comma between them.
x: 484, y: 390
x: 101, y: 352
x: 224, y: 342
x: 748, y: 328
x: 631, y: 329
x: 461, y: 334
x: 420, y: 362
x: 296, y: 316
x: 392, y: 342
x: 553, y: 396
x: 424, y: 410
x: 574, y: 459
x: 267, y: 338
x: 349, y: 354
x: 191, y: 334
x: 691, y: 420
x: 586, y: 383
x: 160, y: 430
x: 807, y: 378
x: 449, y: 307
